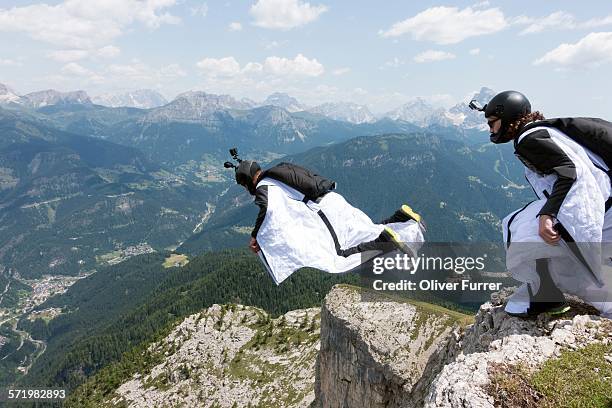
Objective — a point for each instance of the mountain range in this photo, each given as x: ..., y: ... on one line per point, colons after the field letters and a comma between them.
x: 197, y: 104
x: 197, y: 124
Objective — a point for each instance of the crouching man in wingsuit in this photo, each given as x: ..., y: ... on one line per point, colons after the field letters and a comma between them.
x: 561, y: 241
x: 303, y: 223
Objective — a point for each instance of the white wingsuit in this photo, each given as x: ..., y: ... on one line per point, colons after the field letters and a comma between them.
x: 585, y: 271
x: 294, y: 234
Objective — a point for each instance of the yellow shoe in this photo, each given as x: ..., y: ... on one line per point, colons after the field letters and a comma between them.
x: 397, y: 240
x: 392, y: 235
x: 410, y: 213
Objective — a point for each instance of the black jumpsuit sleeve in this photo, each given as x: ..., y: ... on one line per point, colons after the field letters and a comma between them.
x: 261, y: 199
x: 546, y: 157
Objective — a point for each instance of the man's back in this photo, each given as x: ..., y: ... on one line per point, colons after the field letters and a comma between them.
x: 303, y: 180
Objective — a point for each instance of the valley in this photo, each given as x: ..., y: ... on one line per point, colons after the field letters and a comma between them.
x: 18, y: 350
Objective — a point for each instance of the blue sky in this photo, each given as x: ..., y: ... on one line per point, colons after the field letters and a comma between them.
x: 376, y: 53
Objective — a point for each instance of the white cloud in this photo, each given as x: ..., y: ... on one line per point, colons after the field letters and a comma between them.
x: 84, y: 24
x: 227, y: 66
x: 201, y: 10
x: 341, y: 71
x: 598, y: 22
x: 449, y: 25
x: 521, y: 20
x: 559, y: 20
x: 591, y: 51
x: 298, y: 66
x: 234, y: 26
x: 271, y: 66
x: 556, y: 20
x: 74, y: 69
x: 284, y: 14
x: 110, y: 51
x: 133, y: 75
x: 432, y: 55
x: 475, y: 51
x: 252, y: 68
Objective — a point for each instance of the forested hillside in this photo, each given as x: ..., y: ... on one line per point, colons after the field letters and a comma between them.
x: 116, y: 309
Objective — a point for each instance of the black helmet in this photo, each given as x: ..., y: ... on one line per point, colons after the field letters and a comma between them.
x: 245, y: 172
x: 507, y: 106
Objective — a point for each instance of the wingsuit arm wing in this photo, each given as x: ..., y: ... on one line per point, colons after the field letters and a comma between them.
x: 545, y: 156
x: 261, y: 199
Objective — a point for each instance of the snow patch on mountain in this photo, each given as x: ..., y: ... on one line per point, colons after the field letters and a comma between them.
x: 472, y: 119
x: 8, y: 96
x: 282, y: 100
x: 141, y: 98
x: 345, y: 111
x: 417, y: 111
x: 421, y: 113
x: 50, y: 97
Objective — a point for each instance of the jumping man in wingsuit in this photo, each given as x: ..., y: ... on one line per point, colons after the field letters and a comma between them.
x: 302, y: 222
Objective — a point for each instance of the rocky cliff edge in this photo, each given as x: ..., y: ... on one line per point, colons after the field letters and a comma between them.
x: 378, y: 351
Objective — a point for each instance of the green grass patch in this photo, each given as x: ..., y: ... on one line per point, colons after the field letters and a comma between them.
x: 109, y: 256
x: 581, y: 378
x: 577, y: 379
x: 175, y: 260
